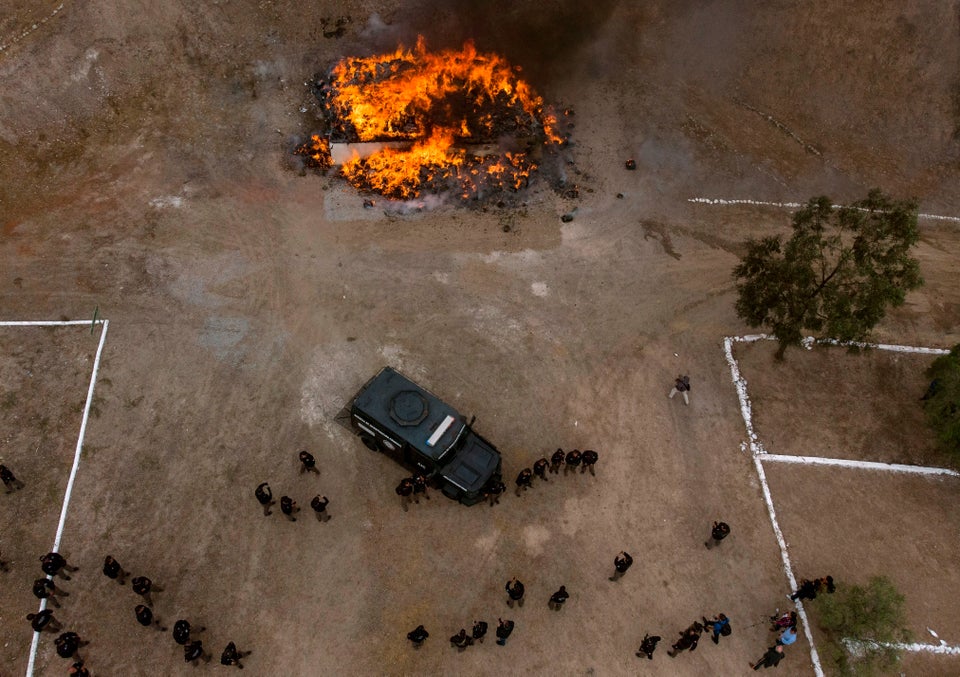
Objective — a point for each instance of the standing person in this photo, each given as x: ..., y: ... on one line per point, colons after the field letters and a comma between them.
x: 771, y: 659
x: 54, y: 564
x: 112, y: 569
x: 319, y: 505
x: 681, y: 385
x: 515, y: 591
x: 788, y: 636
x: 44, y: 588
x: 807, y: 590
x: 461, y: 640
x: 4, y: 565
x: 307, y: 462
x: 264, y: 497
x: 9, y: 480
x: 718, y: 532
x: 68, y: 644
x: 405, y: 491
x: 648, y: 645
x: 288, y: 506
x: 524, y: 480
x: 143, y: 586
x: 182, y: 631
x: 621, y: 563
x: 146, y: 618
x: 572, y: 461
x: 44, y: 620
x: 479, y: 630
x: 418, y: 636
x: 493, y: 489
x: 720, y: 626
x: 193, y: 652
x: 540, y: 468
x: 558, y: 598
x: 556, y: 461
x: 826, y: 584
x: 688, y: 640
x: 589, y: 459
x: 504, y: 628
x: 420, y: 486
x: 231, y: 656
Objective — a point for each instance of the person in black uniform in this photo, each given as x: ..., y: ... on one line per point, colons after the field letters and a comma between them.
x: 264, y: 497
x: 572, y: 461
x: 112, y: 569
x: 621, y: 563
x: 540, y: 468
x: 418, y: 635
x: 146, y: 618
x: 307, y: 462
x: 514, y: 592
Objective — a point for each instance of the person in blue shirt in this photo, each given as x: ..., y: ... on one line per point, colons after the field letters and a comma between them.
x: 788, y: 636
x: 720, y: 625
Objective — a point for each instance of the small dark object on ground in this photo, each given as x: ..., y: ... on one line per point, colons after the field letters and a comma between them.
x: 369, y: 204
x: 631, y: 164
x: 619, y: 196
x: 567, y: 218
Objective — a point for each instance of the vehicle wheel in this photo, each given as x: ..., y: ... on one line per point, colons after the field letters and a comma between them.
x: 369, y: 442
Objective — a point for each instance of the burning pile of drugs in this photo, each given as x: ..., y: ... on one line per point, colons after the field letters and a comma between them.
x: 412, y: 121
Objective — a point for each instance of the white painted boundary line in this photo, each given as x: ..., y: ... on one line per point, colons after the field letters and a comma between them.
x: 45, y: 323
x: 795, y: 205
x: 860, y: 465
x: 76, y: 455
x: 741, y: 385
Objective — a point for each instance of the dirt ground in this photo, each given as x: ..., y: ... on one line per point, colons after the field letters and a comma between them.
x: 144, y: 170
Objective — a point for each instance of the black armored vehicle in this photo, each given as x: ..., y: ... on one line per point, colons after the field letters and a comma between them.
x: 394, y: 415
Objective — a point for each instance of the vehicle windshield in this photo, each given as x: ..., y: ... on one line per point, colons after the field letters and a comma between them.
x: 457, y: 443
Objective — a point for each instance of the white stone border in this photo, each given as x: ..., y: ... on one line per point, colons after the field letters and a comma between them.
x: 27, y: 31
x: 760, y: 454
x: 77, y: 452
x: 794, y: 205
x: 854, y: 645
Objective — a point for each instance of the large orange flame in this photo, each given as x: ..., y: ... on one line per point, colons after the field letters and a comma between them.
x: 442, y: 102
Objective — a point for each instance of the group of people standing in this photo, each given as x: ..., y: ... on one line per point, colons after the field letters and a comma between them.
x: 288, y: 506
x: 516, y: 594
x: 68, y: 644
x: 410, y: 489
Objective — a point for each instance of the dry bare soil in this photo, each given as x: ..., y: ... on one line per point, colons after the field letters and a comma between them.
x: 145, y: 170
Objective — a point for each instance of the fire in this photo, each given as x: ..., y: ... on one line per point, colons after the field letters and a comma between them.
x: 442, y: 105
x: 317, y: 152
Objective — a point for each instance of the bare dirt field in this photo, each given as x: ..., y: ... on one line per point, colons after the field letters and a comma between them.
x: 145, y: 169
x: 828, y: 402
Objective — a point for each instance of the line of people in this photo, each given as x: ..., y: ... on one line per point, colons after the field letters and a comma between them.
x: 569, y: 461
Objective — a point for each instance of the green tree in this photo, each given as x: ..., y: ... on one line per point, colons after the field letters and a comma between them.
x: 837, y: 273
x: 861, y: 624
x: 942, y: 401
